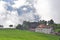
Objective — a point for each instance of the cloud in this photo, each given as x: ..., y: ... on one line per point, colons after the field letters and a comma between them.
x: 2, y: 5
x: 29, y: 17
x: 21, y: 11
x: 16, y: 13
x: 9, y: 8
x: 55, y: 11
x: 43, y: 9
x: 10, y: 1
x: 7, y: 17
x: 25, y: 9
x: 2, y: 12
x: 49, y: 9
x: 19, y: 3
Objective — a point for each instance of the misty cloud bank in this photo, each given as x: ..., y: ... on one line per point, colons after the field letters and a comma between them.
x: 16, y: 11
x: 49, y: 9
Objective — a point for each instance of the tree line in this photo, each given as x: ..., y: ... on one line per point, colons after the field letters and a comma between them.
x: 26, y: 24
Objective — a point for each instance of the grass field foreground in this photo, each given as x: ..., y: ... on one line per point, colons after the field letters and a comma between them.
x: 8, y: 34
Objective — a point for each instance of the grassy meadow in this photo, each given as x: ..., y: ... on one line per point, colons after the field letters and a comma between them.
x: 14, y: 34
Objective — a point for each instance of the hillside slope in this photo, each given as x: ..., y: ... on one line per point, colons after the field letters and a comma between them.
x: 7, y: 34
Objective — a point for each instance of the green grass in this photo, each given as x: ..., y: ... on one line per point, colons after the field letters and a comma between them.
x: 9, y: 34
x: 57, y: 30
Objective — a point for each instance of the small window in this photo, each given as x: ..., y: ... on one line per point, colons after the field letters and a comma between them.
x: 10, y: 25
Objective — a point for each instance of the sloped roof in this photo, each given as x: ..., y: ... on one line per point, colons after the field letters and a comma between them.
x: 43, y: 26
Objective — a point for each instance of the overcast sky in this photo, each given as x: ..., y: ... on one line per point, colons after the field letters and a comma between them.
x: 49, y: 9
x: 46, y: 9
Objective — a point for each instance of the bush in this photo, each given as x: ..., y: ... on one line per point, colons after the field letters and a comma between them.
x: 19, y: 27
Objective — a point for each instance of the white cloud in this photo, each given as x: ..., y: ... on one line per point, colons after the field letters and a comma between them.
x: 49, y: 9
x: 11, y: 17
x: 2, y: 12
x: 6, y: 17
x: 2, y: 5
x: 43, y: 9
x: 19, y: 3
